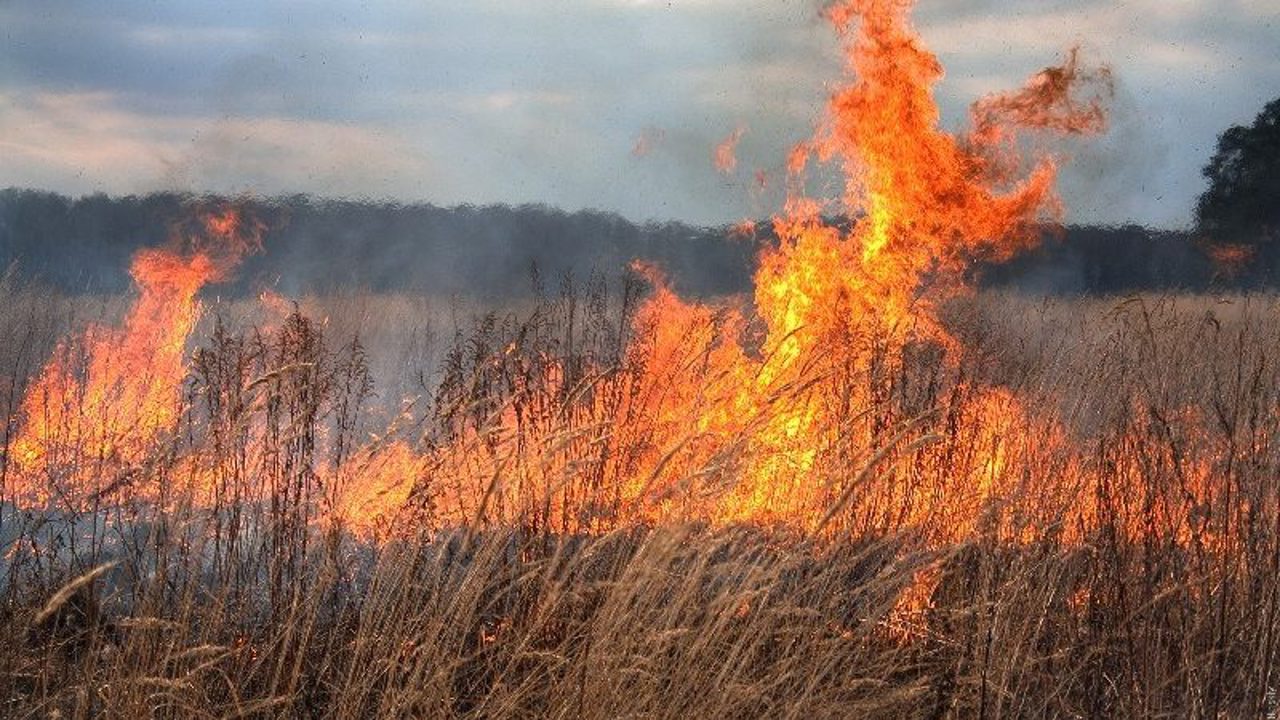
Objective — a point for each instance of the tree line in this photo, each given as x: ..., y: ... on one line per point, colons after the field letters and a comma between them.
x: 84, y: 244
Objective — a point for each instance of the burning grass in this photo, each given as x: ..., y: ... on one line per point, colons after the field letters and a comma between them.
x: 859, y: 492
x: 917, y: 598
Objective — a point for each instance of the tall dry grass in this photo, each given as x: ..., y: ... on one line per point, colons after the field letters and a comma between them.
x: 1158, y: 413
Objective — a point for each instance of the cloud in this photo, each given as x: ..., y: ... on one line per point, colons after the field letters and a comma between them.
x: 85, y: 142
x: 542, y: 100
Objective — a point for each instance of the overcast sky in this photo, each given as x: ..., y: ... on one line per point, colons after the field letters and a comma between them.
x: 613, y: 104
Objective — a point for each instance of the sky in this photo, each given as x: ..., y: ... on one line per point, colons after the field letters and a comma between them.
x: 608, y: 104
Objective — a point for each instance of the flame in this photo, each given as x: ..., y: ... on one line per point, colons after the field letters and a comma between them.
x: 375, y: 487
x: 725, y: 155
x: 768, y: 409
x: 743, y: 229
x: 1230, y: 260
x: 761, y: 411
x: 926, y: 201
x: 105, y: 398
x: 739, y: 433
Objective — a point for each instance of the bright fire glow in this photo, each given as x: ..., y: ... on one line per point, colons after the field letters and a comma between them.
x: 103, y: 400
x: 780, y: 428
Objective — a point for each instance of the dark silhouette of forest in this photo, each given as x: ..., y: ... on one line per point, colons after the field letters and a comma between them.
x: 311, y: 245
x: 1242, y: 202
x: 316, y: 245
x: 84, y: 244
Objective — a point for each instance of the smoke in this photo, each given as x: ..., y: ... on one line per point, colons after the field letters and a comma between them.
x: 437, y: 102
x: 1116, y: 176
x: 311, y: 245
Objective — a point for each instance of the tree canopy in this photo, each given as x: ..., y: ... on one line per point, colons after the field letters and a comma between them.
x: 1242, y: 203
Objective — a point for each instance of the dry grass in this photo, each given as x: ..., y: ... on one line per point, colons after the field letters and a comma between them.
x: 251, y: 608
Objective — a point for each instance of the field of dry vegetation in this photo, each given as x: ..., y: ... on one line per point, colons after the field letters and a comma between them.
x: 1121, y: 558
x: 863, y: 491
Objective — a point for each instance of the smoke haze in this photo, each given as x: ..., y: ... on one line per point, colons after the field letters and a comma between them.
x: 515, y: 102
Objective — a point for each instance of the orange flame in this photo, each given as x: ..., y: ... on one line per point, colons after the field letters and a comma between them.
x: 926, y: 202
x: 726, y: 152
x: 1230, y: 260
x: 769, y: 430
x: 105, y: 398
x: 755, y: 432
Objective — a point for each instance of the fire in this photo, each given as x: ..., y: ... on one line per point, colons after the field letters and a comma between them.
x: 375, y: 486
x: 725, y: 156
x: 1230, y: 260
x: 763, y: 412
x: 743, y: 230
x: 926, y: 201
x: 105, y: 398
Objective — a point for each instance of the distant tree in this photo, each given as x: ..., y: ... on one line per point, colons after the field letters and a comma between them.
x: 1242, y: 204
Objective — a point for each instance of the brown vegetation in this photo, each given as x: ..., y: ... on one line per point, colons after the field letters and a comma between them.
x: 259, y: 605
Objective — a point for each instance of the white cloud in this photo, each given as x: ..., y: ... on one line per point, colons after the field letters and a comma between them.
x: 84, y: 142
x: 541, y: 100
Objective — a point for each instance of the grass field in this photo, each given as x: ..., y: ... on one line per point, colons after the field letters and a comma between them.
x: 1078, y: 516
